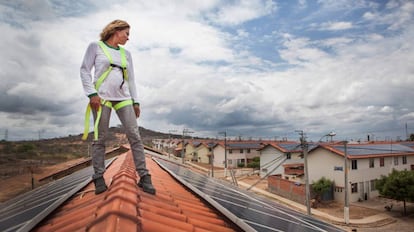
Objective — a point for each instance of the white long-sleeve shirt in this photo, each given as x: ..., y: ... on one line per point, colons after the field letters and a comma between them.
x: 110, y: 89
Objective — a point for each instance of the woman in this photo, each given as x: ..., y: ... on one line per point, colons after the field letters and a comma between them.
x: 113, y: 86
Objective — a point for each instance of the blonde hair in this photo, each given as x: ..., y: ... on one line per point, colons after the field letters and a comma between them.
x: 112, y: 27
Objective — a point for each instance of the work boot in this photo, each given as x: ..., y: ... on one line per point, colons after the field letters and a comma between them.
x: 100, y: 185
x: 146, y: 184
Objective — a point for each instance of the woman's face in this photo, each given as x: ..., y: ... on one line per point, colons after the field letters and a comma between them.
x: 122, y: 36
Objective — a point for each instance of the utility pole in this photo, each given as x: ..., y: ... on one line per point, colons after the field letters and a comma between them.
x: 406, y: 132
x: 305, y: 157
x: 212, y: 161
x: 346, y: 205
x: 185, y: 131
x: 169, y: 142
x: 225, y: 152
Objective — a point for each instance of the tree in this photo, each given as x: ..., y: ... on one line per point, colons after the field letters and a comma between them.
x: 320, y: 187
x: 255, y: 164
x: 398, y: 185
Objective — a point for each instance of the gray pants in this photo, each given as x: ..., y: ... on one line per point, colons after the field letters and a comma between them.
x: 127, y: 117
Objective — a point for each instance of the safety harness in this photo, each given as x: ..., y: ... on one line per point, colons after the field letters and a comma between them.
x: 98, y: 84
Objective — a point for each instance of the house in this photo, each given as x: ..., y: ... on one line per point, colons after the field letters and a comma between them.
x: 276, y: 156
x: 204, y: 151
x: 166, y: 145
x: 189, y: 149
x: 366, y: 163
x: 239, y: 153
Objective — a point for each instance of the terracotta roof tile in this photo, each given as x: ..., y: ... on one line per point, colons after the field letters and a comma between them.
x: 125, y: 207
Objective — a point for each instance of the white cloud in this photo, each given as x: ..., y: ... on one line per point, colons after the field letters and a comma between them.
x: 335, y: 26
x: 192, y: 73
x: 300, y: 51
x: 241, y: 11
x: 400, y: 12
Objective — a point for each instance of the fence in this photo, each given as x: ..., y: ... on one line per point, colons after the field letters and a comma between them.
x: 287, y: 189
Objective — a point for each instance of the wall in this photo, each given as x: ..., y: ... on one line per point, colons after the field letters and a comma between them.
x: 203, y: 154
x: 364, y: 174
x: 267, y: 155
x: 287, y: 189
x: 218, y: 152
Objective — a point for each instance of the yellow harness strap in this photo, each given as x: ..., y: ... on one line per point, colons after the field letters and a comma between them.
x: 104, y: 102
x: 98, y: 116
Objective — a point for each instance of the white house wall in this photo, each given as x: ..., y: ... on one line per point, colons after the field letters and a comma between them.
x: 218, y: 152
x: 202, y: 152
x: 323, y: 163
x: 267, y: 155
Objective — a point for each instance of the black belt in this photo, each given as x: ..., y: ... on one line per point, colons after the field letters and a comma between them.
x: 123, y: 74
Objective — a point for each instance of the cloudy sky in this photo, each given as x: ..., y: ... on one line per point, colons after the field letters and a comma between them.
x: 252, y: 68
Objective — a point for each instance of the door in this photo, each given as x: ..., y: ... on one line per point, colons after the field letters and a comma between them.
x: 362, y: 191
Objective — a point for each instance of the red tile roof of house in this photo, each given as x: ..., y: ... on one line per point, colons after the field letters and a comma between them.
x: 125, y: 207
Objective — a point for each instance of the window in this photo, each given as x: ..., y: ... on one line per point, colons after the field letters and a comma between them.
x: 248, y: 150
x: 371, y: 162
x: 288, y: 155
x: 396, y: 160
x: 241, y: 150
x: 230, y: 151
x: 354, y: 187
x: 382, y: 162
x: 404, y: 159
x: 354, y: 164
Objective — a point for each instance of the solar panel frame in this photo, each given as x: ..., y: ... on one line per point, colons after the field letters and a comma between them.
x: 24, y: 212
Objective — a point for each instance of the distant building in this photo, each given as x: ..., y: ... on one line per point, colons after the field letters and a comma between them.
x: 239, y: 153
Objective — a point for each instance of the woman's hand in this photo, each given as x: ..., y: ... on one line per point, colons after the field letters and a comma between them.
x: 95, y: 102
x: 137, y: 110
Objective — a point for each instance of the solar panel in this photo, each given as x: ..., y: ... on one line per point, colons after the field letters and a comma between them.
x: 290, y: 146
x: 243, y: 145
x: 409, y: 144
x: 374, y: 149
x: 23, y: 212
x: 249, y: 211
